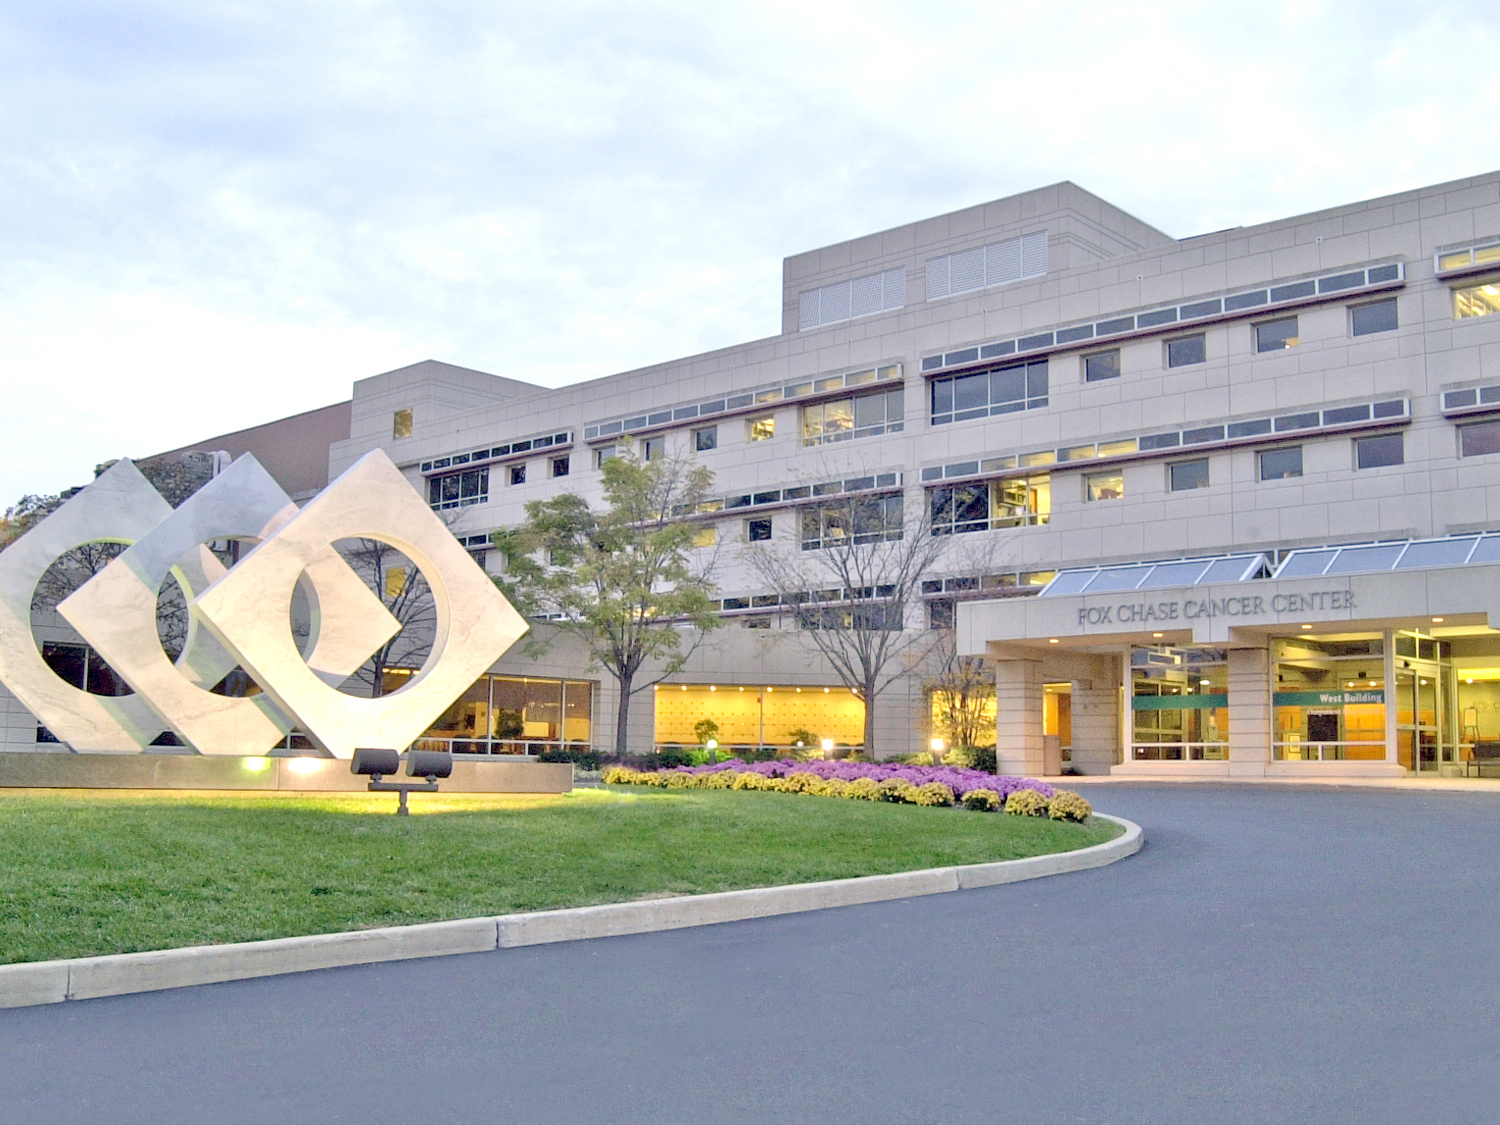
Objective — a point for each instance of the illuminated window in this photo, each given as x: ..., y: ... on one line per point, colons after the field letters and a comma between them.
x: 401, y: 424
x: 984, y: 505
x: 706, y: 536
x: 1187, y: 350
x: 1281, y: 464
x: 761, y: 429
x: 1101, y: 365
x: 1476, y: 300
x: 1274, y: 335
x: 865, y: 519
x: 1187, y: 475
x: 861, y: 416
x: 1379, y: 316
x: 1104, y: 486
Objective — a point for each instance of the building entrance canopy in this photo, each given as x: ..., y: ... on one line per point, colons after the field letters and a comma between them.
x: 1375, y: 659
x: 1374, y: 586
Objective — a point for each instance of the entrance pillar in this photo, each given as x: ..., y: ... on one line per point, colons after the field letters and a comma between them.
x: 1249, y: 711
x: 1096, y: 717
x: 1018, y: 716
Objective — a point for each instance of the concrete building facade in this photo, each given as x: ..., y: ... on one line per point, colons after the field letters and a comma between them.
x: 1073, y: 400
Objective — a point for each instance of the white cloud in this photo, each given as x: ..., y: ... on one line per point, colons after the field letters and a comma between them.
x: 216, y: 213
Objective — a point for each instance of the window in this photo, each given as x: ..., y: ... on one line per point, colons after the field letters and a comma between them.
x: 1476, y: 300
x: 755, y: 622
x: 706, y: 536
x: 1376, y: 452
x: 1101, y: 365
x: 1479, y: 439
x: 401, y: 424
x: 559, y: 466
x: 940, y: 613
x: 861, y: 416
x: 518, y: 474
x: 758, y: 531
x: 654, y: 448
x: 1187, y: 475
x: 986, y: 505
x: 761, y: 429
x: 1004, y: 390
x: 1281, y: 464
x: 457, y: 490
x: 1103, y: 486
x: 608, y: 453
x: 1378, y: 316
x: 868, y: 519
x: 705, y: 439
x: 1187, y: 350
x: 1274, y: 335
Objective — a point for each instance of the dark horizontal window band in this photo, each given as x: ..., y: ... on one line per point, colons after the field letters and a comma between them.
x: 1288, y: 294
x: 496, y: 452
x: 1310, y: 423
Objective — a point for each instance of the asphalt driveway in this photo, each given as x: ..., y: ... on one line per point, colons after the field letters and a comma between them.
x: 1272, y: 955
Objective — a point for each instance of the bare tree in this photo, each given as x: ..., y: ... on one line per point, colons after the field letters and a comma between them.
x: 399, y: 585
x: 853, y: 586
x: 964, y: 690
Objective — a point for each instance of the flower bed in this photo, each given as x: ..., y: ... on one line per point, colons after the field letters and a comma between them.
x: 932, y: 786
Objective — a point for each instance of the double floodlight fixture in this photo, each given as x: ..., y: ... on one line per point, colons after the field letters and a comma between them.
x: 378, y: 764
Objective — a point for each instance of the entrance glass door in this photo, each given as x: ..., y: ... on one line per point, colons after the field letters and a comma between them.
x: 1421, y: 745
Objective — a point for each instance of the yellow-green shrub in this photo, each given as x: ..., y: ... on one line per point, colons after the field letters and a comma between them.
x: 863, y: 789
x: 719, y: 779
x: 678, y: 781
x: 934, y: 794
x: 619, y: 775
x: 835, y: 788
x: 1067, y: 805
x: 803, y: 781
x: 1026, y: 802
x: 982, y: 800
x: 898, y: 791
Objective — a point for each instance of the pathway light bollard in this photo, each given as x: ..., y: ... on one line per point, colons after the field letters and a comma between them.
x: 937, y: 751
x: 377, y: 764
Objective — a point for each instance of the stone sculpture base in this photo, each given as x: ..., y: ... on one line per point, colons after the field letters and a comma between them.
x: 309, y: 775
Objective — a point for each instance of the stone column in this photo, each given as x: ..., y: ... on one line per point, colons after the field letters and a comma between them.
x: 1249, y: 711
x: 1018, y: 716
x: 1096, y: 717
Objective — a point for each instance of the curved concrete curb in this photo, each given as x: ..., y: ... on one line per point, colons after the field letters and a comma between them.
x: 83, y: 978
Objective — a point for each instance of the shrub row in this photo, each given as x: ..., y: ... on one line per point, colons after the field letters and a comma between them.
x: 1033, y: 799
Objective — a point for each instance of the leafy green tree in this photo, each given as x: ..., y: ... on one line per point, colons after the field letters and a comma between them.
x: 624, y: 580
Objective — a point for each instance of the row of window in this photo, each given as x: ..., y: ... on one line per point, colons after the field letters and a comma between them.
x: 1270, y: 336
x: 472, y: 486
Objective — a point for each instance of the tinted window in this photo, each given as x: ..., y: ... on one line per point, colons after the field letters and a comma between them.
x: 1101, y: 365
x: 1276, y: 334
x: 518, y: 474
x: 706, y: 439
x: 1373, y: 452
x: 1479, y: 439
x: 1189, y: 349
x: 1189, y: 474
x: 1279, y: 464
x: 760, y: 530
x: 1379, y: 317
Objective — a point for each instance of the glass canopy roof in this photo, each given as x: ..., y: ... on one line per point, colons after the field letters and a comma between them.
x: 1153, y: 576
x: 1411, y: 554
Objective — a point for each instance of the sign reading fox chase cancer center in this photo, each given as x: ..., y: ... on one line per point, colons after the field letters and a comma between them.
x: 240, y: 616
x: 1191, y: 609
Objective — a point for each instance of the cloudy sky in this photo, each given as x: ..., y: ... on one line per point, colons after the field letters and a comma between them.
x: 213, y: 213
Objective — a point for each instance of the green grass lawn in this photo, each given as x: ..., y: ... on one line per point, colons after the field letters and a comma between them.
x: 88, y: 873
